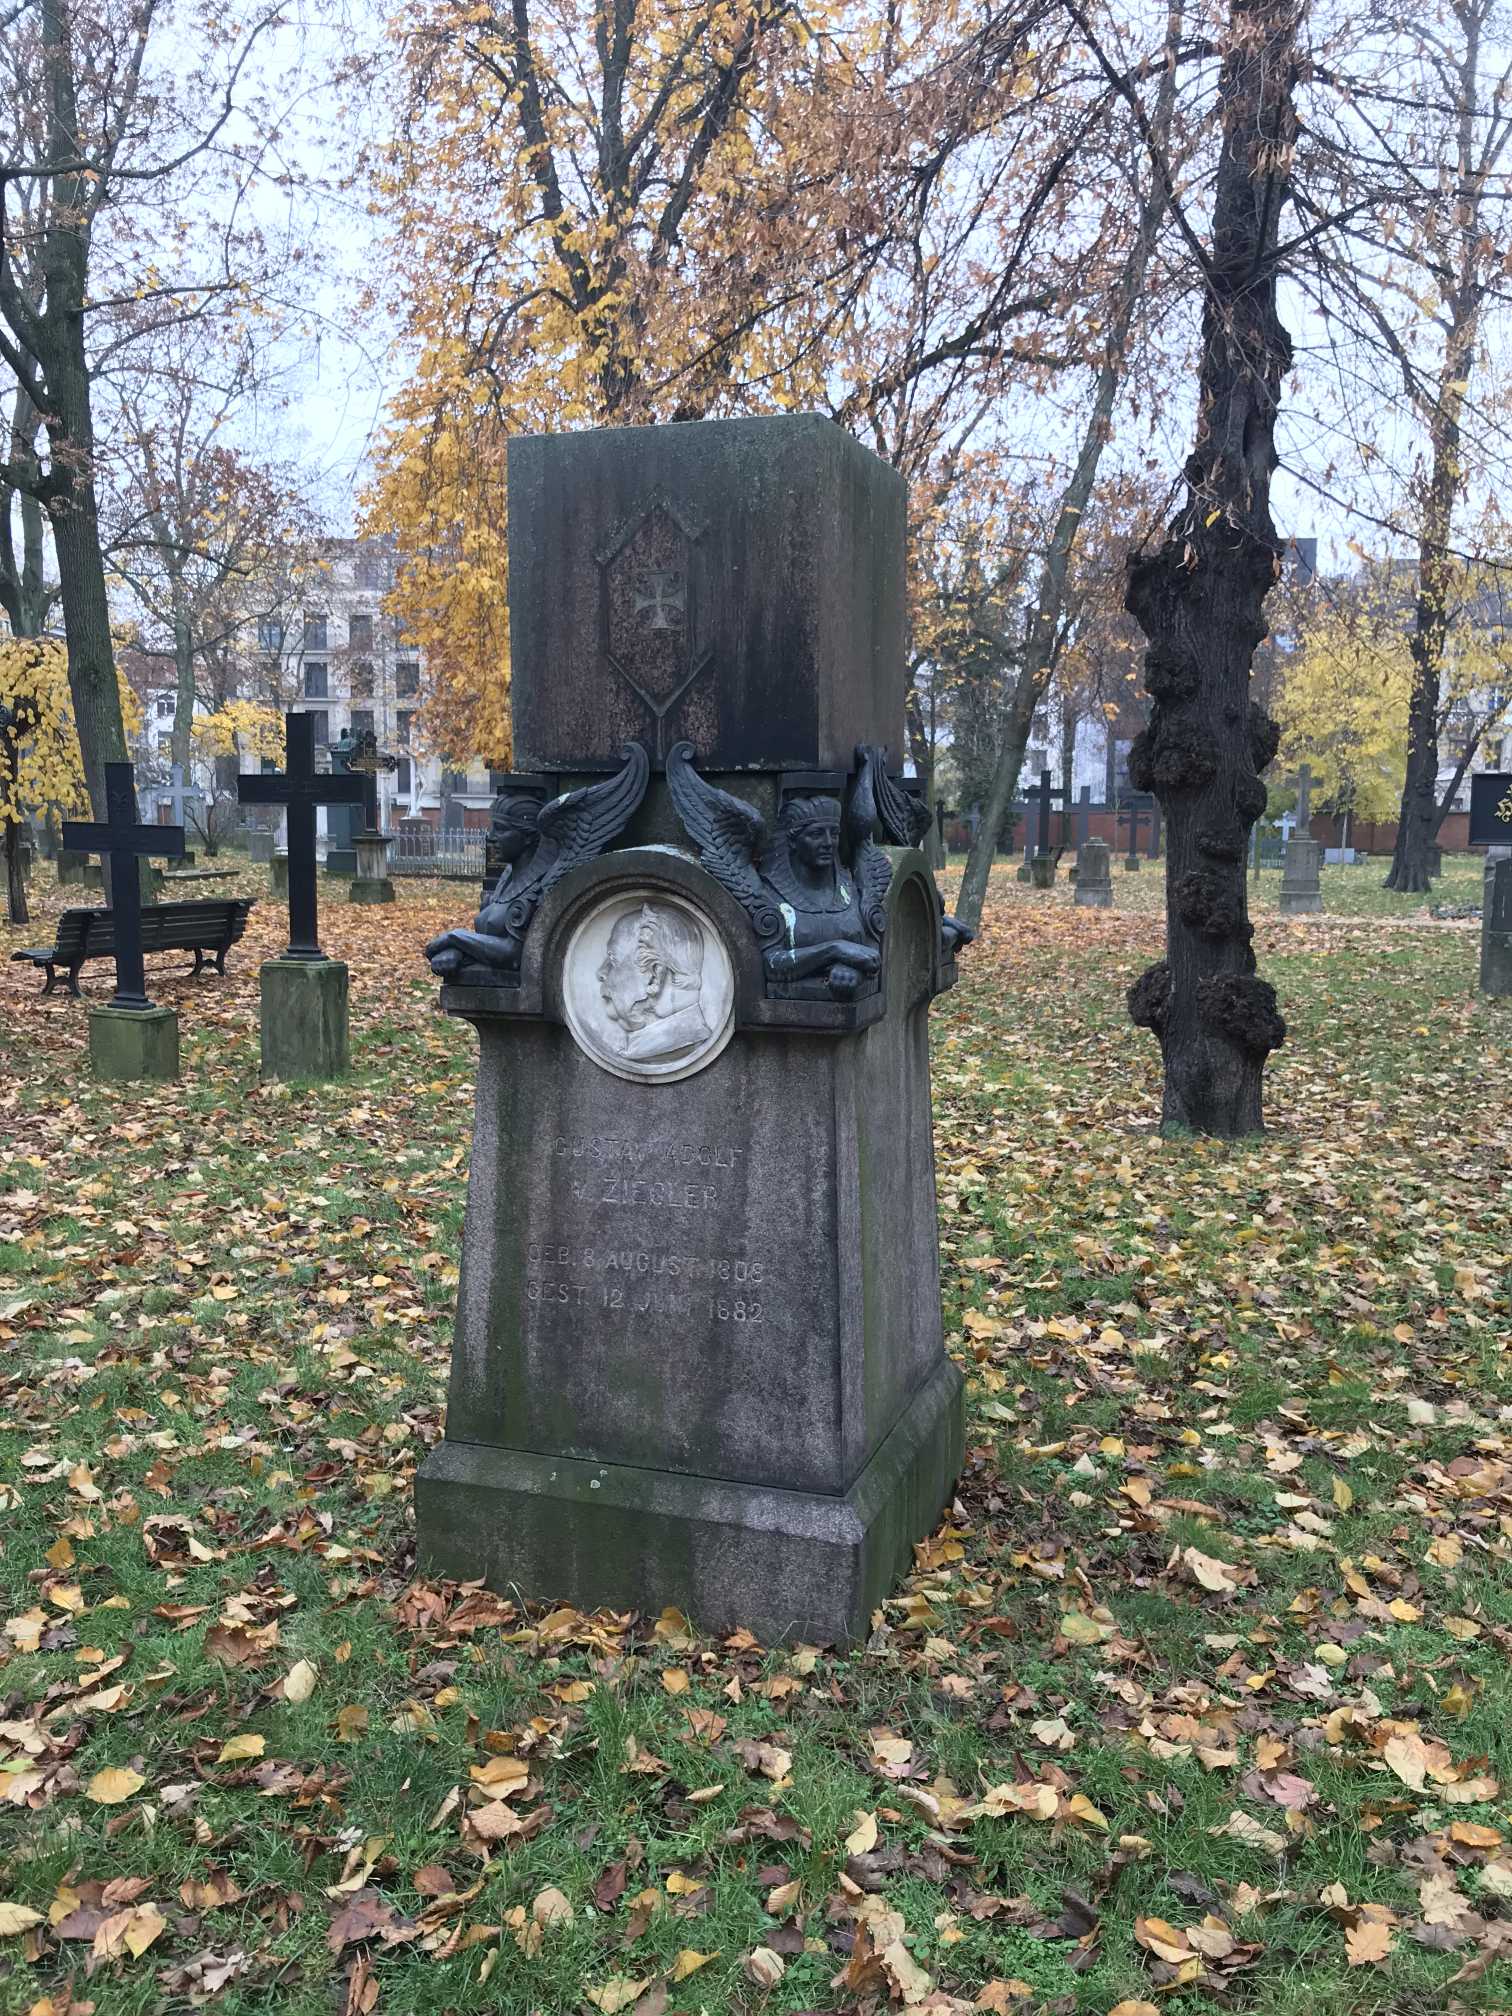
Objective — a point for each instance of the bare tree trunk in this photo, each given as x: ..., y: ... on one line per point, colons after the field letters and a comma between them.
x: 1039, y: 651
x: 1200, y: 602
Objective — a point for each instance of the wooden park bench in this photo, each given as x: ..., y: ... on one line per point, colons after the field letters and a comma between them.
x: 207, y: 929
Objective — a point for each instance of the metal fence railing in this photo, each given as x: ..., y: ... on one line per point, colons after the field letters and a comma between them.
x: 453, y: 852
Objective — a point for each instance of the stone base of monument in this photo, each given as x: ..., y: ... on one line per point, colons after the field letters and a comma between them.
x: 1301, y: 890
x: 1131, y: 864
x: 304, y: 1018
x: 1042, y: 871
x: 1022, y: 872
x: 365, y: 889
x: 371, y: 883
x: 698, y: 1355
x: 1496, y: 931
x: 278, y: 875
x: 128, y: 1044
x: 784, y: 1564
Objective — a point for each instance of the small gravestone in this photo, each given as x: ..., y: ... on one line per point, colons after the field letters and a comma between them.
x: 698, y: 1356
x: 1301, y: 881
x: 278, y: 873
x: 261, y: 846
x: 129, y: 1037
x: 303, y: 993
x: 77, y: 871
x: 1094, y: 875
x: 1496, y: 930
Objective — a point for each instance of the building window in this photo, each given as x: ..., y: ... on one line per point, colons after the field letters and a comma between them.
x: 360, y: 633
x: 362, y: 722
x: 270, y: 633
x: 165, y: 707
x: 362, y: 679
x: 407, y: 678
x: 406, y: 724
x: 402, y: 777
x: 453, y: 783
x: 315, y: 631
x: 322, y: 722
x: 315, y: 682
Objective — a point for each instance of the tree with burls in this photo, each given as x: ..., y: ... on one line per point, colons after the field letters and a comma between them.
x: 1200, y: 599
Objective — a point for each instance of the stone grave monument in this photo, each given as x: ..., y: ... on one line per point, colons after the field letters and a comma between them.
x: 130, y: 1037
x: 1491, y: 827
x: 1094, y: 875
x: 698, y: 1355
x: 1301, y: 883
x: 303, y: 1006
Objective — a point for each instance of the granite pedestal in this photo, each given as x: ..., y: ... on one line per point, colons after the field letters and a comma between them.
x: 1042, y: 871
x: 371, y: 883
x: 1131, y: 864
x: 698, y: 1354
x: 1094, y: 876
x: 304, y: 1019
x: 129, y: 1044
x: 1301, y: 887
x: 1496, y: 931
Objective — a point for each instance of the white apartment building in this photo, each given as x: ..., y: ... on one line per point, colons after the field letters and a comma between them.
x: 343, y: 660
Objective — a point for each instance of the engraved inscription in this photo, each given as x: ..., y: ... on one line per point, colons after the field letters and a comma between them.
x: 636, y: 1205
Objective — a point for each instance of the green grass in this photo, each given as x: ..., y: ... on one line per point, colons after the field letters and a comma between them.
x: 1287, y: 1356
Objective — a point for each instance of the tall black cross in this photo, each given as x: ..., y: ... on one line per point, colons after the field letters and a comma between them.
x: 1134, y: 812
x: 301, y: 790
x: 124, y: 842
x: 1044, y: 791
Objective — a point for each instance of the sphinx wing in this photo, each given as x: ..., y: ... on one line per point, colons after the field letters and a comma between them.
x: 578, y: 826
x: 903, y: 818
x: 729, y: 835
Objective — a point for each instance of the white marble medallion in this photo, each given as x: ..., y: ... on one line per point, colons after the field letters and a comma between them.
x: 647, y: 987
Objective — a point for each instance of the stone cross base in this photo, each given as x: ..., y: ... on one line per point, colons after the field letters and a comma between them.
x: 1301, y: 890
x: 1042, y: 871
x: 304, y: 1018
x: 1131, y: 864
x: 1022, y: 872
x: 128, y: 1044
x: 370, y: 889
x: 1496, y: 931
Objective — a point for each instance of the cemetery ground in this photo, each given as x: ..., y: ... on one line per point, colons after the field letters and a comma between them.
x: 1199, y: 1700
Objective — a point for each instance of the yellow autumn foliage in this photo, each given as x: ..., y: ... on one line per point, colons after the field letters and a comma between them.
x: 47, y: 772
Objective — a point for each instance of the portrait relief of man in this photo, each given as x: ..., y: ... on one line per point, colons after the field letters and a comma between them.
x: 651, y: 980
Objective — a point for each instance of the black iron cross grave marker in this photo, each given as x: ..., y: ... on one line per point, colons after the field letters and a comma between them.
x: 301, y: 789
x: 124, y: 841
x: 1136, y: 809
x: 1043, y: 792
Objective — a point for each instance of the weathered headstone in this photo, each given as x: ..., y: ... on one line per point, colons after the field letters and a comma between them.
x: 261, y: 845
x: 129, y: 1037
x: 1496, y: 929
x: 304, y: 994
x: 1094, y: 875
x: 698, y: 1355
x: 278, y: 873
x: 1301, y: 883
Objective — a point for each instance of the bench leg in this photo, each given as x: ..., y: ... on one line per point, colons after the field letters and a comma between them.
x: 199, y: 960
x: 51, y: 980
x: 73, y: 981
x: 220, y: 961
